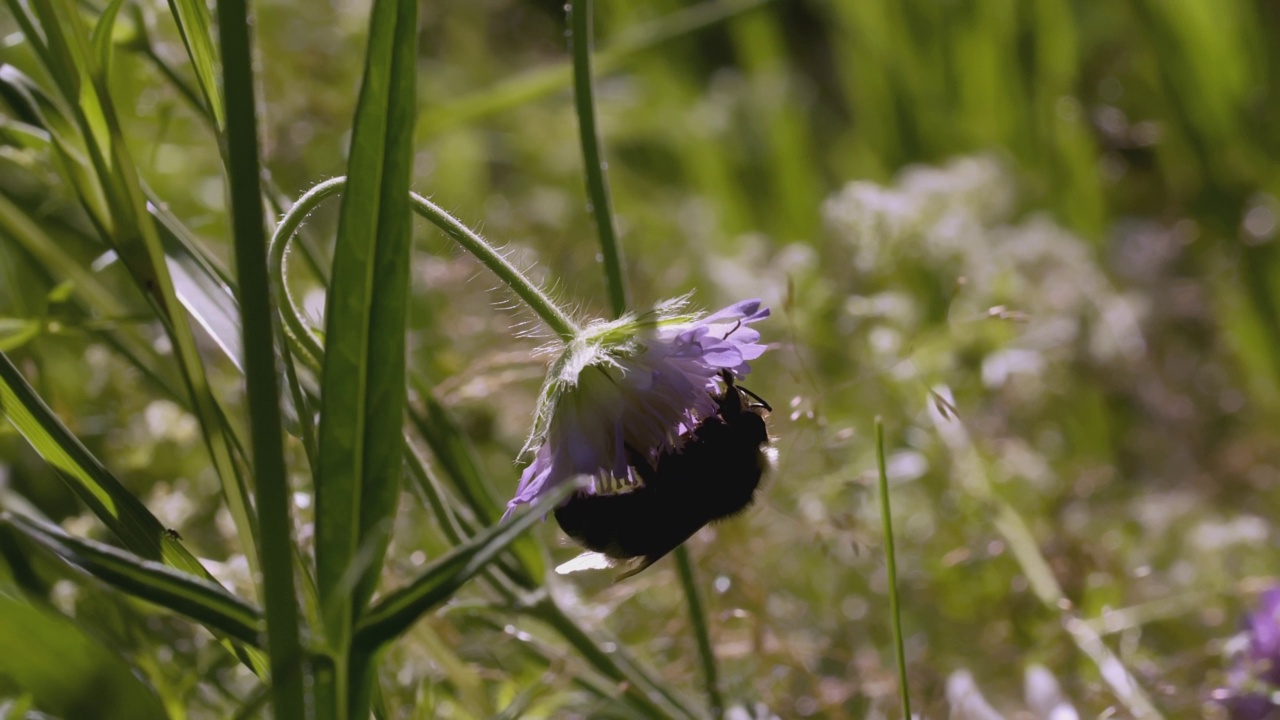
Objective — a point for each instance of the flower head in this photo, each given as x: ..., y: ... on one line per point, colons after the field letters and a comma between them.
x: 636, y: 384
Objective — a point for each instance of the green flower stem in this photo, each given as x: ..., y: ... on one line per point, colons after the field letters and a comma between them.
x: 589, y: 136
x: 275, y: 546
x: 886, y: 521
x: 301, y: 337
x: 555, y: 318
x: 701, y: 631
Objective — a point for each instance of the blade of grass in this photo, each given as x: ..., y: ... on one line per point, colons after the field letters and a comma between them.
x: 123, y: 514
x: 192, y: 18
x: 202, y: 600
x: 398, y: 611
x: 891, y: 564
x: 363, y: 379
x: 276, y: 548
x: 705, y: 652
x: 117, y: 207
x: 64, y: 671
x: 589, y: 137
x: 974, y: 480
x: 543, y: 82
x: 203, y: 288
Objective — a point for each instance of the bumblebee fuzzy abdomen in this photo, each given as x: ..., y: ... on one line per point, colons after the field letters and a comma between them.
x: 640, y: 523
x: 719, y: 472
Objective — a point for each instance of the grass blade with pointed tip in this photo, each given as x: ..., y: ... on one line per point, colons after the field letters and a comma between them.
x: 202, y: 600
x: 398, y: 611
x: 192, y: 18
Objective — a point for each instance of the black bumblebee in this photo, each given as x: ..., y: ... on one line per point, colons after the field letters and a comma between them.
x: 712, y: 476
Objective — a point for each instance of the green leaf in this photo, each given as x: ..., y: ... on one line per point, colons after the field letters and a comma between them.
x: 123, y: 514
x: 276, y: 551
x: 457, y: 459
x: 65, y: 672
x: 192, y: 17
x: 397, y: 612
x: 363, y: 379
x: 103, y: 35
x: 202, y: 600
x: 202, y: 287
x: 117, y: 205
x: 16, y: 332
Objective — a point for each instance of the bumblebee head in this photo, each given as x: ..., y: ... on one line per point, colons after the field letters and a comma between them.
x: 737, y: 399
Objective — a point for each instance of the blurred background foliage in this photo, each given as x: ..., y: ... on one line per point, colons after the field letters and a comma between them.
x: 1037, y: 238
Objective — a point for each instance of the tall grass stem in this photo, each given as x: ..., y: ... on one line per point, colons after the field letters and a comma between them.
x: 275, y: 548
x: 597, y: 182
x: 705, y: 652
x: 891, y: 563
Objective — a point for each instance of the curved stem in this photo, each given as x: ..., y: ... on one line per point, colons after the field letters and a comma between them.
x: 589, y: 136
x: 538, y: 301
x: 301, y: 337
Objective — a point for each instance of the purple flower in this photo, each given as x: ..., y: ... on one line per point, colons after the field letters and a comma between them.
x: 1263, y: 628
x: 1248, y: 706
x: 1254, y: 679
x: 640, y: 382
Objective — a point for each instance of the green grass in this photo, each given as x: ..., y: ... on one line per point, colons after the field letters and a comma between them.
x: 1082, y: 478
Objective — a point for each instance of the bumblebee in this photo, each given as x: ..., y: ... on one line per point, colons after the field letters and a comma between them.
x: 714, y: 475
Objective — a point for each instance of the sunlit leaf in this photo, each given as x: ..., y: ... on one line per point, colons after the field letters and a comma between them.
x: 363, y: 380
x: 202, y: 600
x: 398, y: 611
x: 65, y: 672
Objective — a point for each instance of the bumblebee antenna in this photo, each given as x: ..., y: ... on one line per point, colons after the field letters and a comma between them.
x: 759, y: 401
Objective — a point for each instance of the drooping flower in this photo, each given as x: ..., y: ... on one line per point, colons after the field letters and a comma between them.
x: 641, y: 383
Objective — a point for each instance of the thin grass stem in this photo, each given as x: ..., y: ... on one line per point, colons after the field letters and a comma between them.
x: 275, y: 548
x: 597, y: 182
x: 701, y: 632
x: 891, y: 563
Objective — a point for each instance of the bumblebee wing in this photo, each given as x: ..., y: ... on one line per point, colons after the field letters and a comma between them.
x: 586, y: 561
x: 638, y: 565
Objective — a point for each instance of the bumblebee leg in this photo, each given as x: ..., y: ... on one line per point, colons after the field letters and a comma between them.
x: 642, y: 466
